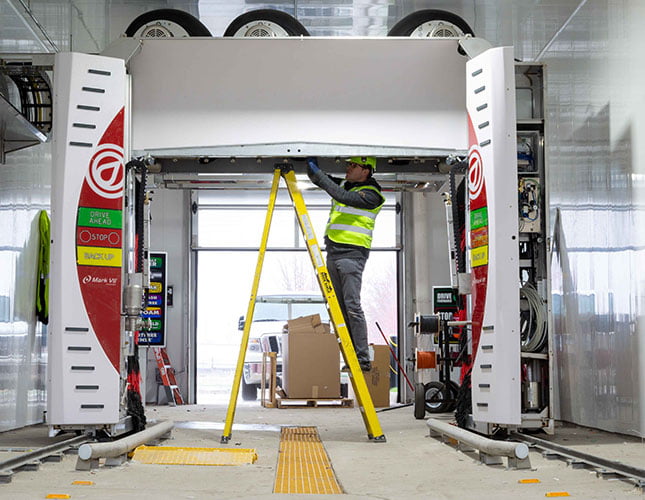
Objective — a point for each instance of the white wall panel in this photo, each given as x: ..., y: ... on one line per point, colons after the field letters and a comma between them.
x: 427, y: 246
x: 170, y: 232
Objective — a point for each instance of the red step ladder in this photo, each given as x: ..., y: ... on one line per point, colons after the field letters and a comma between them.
x: 168, y: 379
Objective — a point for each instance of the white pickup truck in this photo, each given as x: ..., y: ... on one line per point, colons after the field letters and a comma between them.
x: 269, y: 319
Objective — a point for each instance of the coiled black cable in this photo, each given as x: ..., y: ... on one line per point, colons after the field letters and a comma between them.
x: 464, y: 405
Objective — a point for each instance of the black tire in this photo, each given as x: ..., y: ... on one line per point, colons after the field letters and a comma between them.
x: 163, y: 23
x: 419, y: 401
x: 265, y: 23
x: 436, y: 395
x: 249, y: 391
x: 451, y: 25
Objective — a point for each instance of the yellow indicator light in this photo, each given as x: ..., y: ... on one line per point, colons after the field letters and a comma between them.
x: 528, y: 481
x: 303, y: 464
x: 557, y: 494
x: 58, y: 495
x: 83, y: 483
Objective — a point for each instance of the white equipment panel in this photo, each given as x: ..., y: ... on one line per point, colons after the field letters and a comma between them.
x: 214, y: 96
x: 493, y: 238
x: 84, y: 341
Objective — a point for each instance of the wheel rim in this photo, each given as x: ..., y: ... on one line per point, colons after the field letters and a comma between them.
x: 161, y: 29
x: 437, y: 29
x: 261, y: 29
x: 431, y: 393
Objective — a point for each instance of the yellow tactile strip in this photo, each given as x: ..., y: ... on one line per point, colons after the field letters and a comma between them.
x: 170, y: 455
x: 303, y: 464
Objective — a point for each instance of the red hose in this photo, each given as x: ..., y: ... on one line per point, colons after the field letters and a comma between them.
x: 394, y: 355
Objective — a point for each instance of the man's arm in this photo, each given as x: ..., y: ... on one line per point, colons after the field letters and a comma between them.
x: 365, y: 198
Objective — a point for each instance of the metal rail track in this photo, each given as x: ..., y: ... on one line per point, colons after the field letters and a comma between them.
x: 32, y: 459
x: 604, y: 468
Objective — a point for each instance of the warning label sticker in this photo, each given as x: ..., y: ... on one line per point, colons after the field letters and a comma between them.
x: 96, y: 256
x: 99, y: 217
x: 479, y: 218
x: 479, y: 256
x: 479, y: 237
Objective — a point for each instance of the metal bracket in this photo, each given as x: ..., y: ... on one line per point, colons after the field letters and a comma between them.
x: 463, y: 447
x: 116, y: 461
x: 487, y: 459
x: 474, y: 46
x: 519, y: 463
x: 123, y: 48
x: 87, y: 464
x: 55, y: 458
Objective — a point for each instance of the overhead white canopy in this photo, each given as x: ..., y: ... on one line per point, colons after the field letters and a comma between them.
x: 298, y: 96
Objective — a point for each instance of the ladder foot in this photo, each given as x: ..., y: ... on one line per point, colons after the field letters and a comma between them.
x: 225, y: 439
x: 379, y: 439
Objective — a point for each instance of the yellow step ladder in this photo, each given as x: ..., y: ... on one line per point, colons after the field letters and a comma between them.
x: 363, y: 397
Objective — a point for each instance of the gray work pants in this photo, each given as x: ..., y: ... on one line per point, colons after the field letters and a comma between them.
x: 347, y: 276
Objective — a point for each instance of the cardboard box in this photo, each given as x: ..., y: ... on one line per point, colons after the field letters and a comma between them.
x: 310, y: 367
x: 378, y: 378
x: 305, y: 324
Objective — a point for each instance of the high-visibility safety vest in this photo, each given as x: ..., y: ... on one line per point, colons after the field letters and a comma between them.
x: 352, y: 225
x: 42, y: 284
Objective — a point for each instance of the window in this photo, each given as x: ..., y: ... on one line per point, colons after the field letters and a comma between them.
x: 228, y: 232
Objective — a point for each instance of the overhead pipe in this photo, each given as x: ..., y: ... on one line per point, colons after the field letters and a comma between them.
x: 90, y: 451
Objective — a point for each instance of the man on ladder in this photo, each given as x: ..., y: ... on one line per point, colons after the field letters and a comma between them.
x: 356, y: 201
x: 285, y: 171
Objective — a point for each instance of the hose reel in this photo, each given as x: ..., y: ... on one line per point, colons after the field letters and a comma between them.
x: 425, y: 324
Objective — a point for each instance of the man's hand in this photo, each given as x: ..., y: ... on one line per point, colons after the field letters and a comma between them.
x: 312, y: 164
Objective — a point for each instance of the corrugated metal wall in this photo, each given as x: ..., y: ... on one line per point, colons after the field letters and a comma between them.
x: 596, y: 168
x: 25, y: 186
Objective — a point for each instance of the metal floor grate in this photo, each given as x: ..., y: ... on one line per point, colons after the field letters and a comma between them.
x: 170, y: 455
x: 303, y: 464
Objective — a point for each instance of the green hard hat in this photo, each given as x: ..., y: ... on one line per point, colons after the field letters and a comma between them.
x: 364, y: 161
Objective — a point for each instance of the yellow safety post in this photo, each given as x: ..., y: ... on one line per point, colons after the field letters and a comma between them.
x: 363, y: 397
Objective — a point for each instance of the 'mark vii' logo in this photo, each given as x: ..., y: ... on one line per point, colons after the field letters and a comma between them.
x: 106, y: 172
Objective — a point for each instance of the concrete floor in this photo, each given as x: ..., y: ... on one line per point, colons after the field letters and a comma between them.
x: 409, y: 465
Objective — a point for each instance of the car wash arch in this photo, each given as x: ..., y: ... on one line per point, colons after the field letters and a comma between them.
x: 237, y: 106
